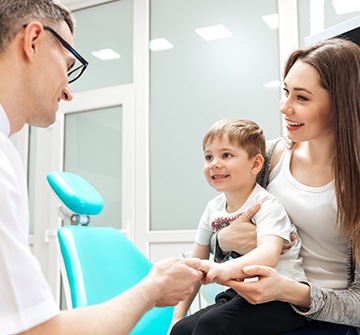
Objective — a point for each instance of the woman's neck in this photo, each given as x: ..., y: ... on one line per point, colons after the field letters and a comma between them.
x: 311, y: 162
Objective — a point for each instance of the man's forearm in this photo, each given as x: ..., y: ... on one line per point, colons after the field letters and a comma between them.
x: 116, y: 316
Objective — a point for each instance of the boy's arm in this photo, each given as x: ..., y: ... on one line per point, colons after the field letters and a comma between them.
x: 267, y: 253
x: 202, y: 252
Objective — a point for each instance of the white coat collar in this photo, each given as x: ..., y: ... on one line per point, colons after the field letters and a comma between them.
x: 4, y: 122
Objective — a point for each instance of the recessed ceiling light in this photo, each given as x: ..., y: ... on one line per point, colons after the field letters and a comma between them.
x: 271, y: 20
x: 106, y: 54
x: 272, y: 84
x: 346, y: 6
x: 212, y: 33
x: 159, y: 44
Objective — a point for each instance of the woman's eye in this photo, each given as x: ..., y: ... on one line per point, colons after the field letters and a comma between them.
x: 286, y: 91
x: 301, y: 98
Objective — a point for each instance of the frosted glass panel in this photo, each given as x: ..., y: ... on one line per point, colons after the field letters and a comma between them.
x: 106, y: 26
x: 198, y: 82
x: 93, y: 150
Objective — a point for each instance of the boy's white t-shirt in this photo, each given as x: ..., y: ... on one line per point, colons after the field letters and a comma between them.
x: 271, y: 219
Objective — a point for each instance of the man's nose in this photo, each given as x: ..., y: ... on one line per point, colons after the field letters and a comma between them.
x: 67, y: 94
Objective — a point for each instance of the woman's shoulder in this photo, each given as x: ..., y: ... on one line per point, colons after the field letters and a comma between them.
x: 279, y: 145
x: 274, y: 150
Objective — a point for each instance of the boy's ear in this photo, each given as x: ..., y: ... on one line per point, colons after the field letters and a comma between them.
x: 258, y: 162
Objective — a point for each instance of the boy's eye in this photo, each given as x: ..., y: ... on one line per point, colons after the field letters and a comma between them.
x: 227, y: 155
x: 208, y: 157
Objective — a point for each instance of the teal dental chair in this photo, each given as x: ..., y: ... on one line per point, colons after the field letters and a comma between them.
x: 98, y: 263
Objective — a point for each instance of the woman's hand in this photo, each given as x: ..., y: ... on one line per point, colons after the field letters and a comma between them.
x: 266, y: 288
x: 271, y: 286
x: 240, y: 235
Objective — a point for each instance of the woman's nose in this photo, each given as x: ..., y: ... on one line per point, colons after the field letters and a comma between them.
x: 286, y: 106
x: 67, y: 94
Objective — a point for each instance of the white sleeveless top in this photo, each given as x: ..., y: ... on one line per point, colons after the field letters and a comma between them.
x: 313, y: 211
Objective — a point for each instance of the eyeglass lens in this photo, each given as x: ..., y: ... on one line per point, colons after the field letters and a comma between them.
x: 76, y: 71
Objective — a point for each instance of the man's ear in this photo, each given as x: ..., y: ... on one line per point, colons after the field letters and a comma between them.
x: 258, y: 162
x: 32, y: 36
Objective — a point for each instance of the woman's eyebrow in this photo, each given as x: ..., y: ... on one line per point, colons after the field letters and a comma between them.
x: 300, y: 89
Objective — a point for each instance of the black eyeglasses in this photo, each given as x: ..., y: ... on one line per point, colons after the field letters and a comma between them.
x: 75, y: 73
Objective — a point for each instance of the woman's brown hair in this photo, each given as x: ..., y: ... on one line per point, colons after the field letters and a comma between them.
x: 338, y: 63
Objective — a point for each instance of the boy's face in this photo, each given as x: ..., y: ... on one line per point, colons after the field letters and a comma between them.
x: 227, y: 167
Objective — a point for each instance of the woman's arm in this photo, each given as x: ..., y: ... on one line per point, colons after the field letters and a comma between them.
x: 336, y: 306
x: 271, y: 286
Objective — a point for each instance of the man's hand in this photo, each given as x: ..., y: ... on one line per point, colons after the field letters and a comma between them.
x: 172, y: 280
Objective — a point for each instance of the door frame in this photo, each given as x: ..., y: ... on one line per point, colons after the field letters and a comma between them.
x: 49, y: 149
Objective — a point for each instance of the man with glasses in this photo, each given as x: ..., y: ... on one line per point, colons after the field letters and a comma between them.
x: 37, y: 64
x: 75, y: 71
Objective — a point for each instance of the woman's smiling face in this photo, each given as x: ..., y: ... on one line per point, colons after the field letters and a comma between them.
x: 306, y: 105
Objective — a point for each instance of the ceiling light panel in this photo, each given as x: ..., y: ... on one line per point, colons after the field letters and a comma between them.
x: 106, y: 54
x: 212, y: 33
x: 272, y: 20
x: 160, y: 44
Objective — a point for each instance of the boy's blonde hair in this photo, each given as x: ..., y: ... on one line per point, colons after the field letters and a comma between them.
x: 245, y: 133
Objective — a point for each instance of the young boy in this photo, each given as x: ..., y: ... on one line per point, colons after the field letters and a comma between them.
x: 234, y: 151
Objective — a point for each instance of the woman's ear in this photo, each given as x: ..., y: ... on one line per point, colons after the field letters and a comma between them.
x: 258, y: 162
x: 32, y: 36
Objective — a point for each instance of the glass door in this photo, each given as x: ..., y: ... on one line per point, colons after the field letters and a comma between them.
x: 96, y: 132
x: 93, y: 149
x: 93, y: 137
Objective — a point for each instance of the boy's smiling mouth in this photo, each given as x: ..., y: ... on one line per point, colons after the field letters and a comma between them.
x: 219, y: 176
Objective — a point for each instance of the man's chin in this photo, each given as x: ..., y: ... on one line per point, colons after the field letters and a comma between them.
x: 43, y: 123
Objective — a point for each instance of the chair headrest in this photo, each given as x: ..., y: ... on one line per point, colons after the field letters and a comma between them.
x: 75, y: 193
